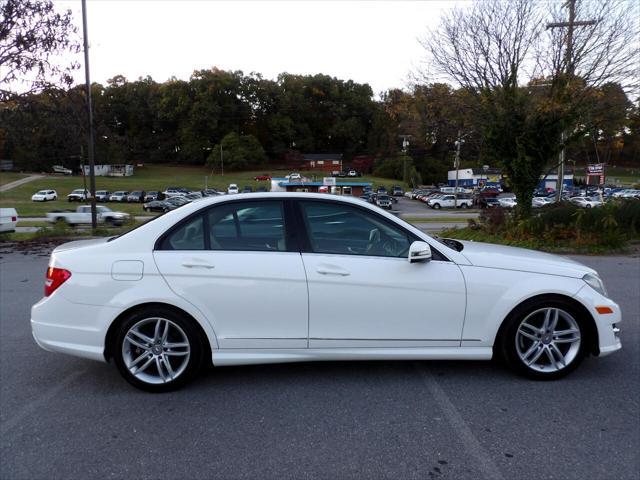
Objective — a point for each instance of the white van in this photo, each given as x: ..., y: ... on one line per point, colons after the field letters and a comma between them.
x: 8, y: 219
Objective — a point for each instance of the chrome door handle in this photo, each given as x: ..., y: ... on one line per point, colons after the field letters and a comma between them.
x: 196, y: 264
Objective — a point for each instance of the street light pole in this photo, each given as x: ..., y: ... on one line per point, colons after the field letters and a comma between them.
x: 92, y: 176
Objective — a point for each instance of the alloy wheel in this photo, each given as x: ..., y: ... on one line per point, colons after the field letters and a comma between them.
x: 156, y: 350
x: 548, y: 340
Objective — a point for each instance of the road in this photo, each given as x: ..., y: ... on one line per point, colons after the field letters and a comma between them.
x: 17, y: 183
x: 64, y: 417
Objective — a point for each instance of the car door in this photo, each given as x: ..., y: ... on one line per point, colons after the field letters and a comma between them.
x: 363, y: 292
x: 238, y: 265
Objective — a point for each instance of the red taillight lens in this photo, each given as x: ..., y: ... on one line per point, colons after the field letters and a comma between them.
x: 14, y: 219
x: 55, y: 278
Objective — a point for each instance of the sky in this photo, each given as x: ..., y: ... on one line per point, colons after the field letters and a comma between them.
x: 374, y: 42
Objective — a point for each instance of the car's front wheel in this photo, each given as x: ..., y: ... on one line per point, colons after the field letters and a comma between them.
x: 544, y: 339
x: 158, y: 350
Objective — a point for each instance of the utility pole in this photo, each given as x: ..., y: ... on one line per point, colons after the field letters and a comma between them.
x: 92, y: 173
x: 405, y: 146
x: 568, y: 59
x: 456, y: 165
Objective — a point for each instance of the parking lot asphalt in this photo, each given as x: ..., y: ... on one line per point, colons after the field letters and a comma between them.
x: 64, y: 417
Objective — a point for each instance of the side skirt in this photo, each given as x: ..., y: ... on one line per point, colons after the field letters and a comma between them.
x: 224, y: 357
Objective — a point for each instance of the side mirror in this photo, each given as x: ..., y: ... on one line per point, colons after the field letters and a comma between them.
x: 419, y: 252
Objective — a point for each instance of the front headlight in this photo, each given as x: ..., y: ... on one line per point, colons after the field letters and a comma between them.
x: 595, y: 282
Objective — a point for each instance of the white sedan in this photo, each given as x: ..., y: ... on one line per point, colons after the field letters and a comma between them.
x: 289, y: 277
x: 44, y: 196
x: 586, y: 202
x: 508, y: 202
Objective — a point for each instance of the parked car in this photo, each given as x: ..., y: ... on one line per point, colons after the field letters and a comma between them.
x: 449, y: 201
x: 102, y: 195
x: 397, y: 191
x: 294, y: 176
x: 586, y: 202
x: 82, y: 215
x: 263, y: 177
x: 382, y: 190
x: 384, y: 201
x: 211, y: 192
x: 168, y: 301
x: 247, y: 189
x: 8, y: 219
x: 353, y: 173
x: 261, y: 189
x: 44, y: 196
x: 538, y: 202
x: 175, y: 192
x: 508, y: 202
x: 233, y: 188
x: 153, y: 195
x: 136, y: 196
x: 489, y: 202
x: 165, y: 205
x: 61, y: 170
x: 119, y: 196
x: 78, y: 195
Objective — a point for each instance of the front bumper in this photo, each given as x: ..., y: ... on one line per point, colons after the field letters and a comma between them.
x: 607, y: 325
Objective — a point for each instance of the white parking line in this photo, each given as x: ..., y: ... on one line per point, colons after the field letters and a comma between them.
x: 485, y: 463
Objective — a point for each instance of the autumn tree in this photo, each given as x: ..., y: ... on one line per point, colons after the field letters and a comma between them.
x: 33, y: 34
x: 528, y: 82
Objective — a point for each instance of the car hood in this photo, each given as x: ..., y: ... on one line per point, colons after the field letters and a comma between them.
x: 502, y: 257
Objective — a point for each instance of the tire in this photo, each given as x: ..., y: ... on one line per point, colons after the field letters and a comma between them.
x: 135, y: 342
x: 464, y: 205
x: 436, y: 206
x: 528, y: 348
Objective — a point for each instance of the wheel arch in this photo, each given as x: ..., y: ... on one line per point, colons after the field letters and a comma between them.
x: 113, y: 328
x: 590, y: 325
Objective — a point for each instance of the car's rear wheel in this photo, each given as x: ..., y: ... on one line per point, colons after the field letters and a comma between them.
x: 436, y: 205
x: 464, y: 205
x: 158, y: 350
x: 544, y: 339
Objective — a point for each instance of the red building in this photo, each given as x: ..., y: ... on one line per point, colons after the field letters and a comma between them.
x: 325, y: 162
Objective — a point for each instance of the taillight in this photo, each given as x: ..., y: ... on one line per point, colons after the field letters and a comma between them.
x: 55, y: 278
x: 14, y: 219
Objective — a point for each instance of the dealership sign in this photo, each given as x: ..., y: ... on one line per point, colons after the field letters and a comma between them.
x: 595, y: 169
x: 329, y: 181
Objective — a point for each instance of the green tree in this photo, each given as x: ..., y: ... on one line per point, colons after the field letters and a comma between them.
x: 32, y: 34
x: 238, y: 152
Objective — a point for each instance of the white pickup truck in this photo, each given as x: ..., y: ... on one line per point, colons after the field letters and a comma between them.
x: 448, y: 201
x: 82, y: 215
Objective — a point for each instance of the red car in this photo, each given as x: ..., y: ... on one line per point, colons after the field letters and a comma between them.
x: 265, y: 176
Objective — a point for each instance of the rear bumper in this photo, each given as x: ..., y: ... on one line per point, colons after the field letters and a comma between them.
x: 59, y: 325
